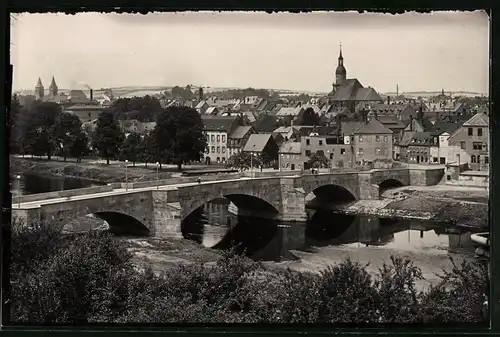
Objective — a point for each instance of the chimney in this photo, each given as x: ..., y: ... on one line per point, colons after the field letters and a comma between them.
x: 91, y: 95
x: 200, y: 94
x: 411, y: 123
x: 388, y: 100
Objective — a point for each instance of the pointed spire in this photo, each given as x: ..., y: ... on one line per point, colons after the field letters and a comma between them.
x: 340, y: 56
x: 39, y: 83
x: 53, y: 82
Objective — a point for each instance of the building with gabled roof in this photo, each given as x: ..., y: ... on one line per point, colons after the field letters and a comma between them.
x: 217, y: 130
x: 372, y: 142
x: 238, y: 138
x: 470, y: 143
x: 262, y: 144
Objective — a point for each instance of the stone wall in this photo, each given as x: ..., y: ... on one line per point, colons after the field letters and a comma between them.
x: 134, y: 204
x: 166, y: 216
x: 426, y: 177
x: 293, y: 203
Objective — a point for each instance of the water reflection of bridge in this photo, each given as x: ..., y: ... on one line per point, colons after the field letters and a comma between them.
x: 325, y: 228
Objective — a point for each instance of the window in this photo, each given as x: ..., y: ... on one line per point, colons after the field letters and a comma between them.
x: 223, y: 149
x: 320, y: 142
x: 470, y: 131
x: 448, y: 177
x: 223, y: 159
x: 352, y: 138
x: 360, y: 151
x: 360, y: 139
x: 331, y: 155
x: 480, y: 132
x: 218, y: 149
x: 223, y: 138
x: 218, y: 138
x: 472, y: 159
x: 218, y: 159
x: 478, y: 159
x: 308, y: 142
x: 377, y: 138
x: 486, y: 159
x: 377, y: 151
x: 462, y: 145
x: 213, y: 149
x: 477, y: 145
x: 342, y: 151
x: 308, y: 153
x: 212, y: 138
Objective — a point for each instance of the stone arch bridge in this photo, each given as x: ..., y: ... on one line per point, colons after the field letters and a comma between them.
x: 161, y: 209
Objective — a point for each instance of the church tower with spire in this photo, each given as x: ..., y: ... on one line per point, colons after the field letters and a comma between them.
x: 340, y: 72
x: 53, y: 87
x: 39, y: 90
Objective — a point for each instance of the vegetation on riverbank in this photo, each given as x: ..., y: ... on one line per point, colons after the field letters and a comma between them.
x: 90, y: 278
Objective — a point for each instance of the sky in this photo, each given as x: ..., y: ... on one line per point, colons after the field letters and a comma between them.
x: 295, y: 51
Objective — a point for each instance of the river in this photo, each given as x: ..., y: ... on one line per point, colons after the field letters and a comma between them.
x: 33, y: 184
x: 325, y: 239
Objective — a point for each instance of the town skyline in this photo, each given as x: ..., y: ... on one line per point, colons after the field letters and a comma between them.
x: 438, y: 52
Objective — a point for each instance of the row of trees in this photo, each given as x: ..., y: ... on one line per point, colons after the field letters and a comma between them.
x: 143, y: 109
x: 43, y: 129
x: 91, y: 279
x: 177, y: 138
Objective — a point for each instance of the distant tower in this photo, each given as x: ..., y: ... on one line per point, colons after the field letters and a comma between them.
x: 200, y: 94
x: 39, y: 90
x: 340, y: 73
x: 53, y: 87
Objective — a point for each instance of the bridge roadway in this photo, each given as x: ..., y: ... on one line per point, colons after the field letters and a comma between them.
x: 119, y: 191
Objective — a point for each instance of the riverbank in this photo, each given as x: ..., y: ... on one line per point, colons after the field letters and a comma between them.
x: 467, y: 206
x: 88, y: 169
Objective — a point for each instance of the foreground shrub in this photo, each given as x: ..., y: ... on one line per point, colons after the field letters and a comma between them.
x: 90, y: 279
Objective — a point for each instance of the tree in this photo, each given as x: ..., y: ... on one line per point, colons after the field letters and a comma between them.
x: 14, y: 121
x: 243, y: 161
x: 37, y: 126
x: 309, y: 117
x: 65, y: 132
x: 130, y: 147
x: 80, y: 146
x: 143, y: 109
x: 107, y: 136
x: 266, y: 123
x: 318, y: 160
x: 179, y: 135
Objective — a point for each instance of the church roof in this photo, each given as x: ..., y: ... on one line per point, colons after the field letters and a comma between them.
x: 39, y: 83
x: 353, y: 90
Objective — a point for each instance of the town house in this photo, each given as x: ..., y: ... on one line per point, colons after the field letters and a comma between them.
x: 290, y: 156
x: 338, y: 154
x: 238, y: 138
x: 217, y: 129
x: 415, y: 147
x: 262, y: 144
x: 470, y: 143
x: 372, y: 142
x: 440, y: 147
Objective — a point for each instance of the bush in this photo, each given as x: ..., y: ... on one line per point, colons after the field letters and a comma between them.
x: 90, y: 278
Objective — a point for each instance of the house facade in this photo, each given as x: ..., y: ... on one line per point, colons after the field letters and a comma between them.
x: 372, y: 142
x: 216, y: 130
x: 290, y: 156
x: 339, y: 155
x: 238, y: 138
x: 470, y: 143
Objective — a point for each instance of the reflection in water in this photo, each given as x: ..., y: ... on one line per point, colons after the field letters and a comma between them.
x: 33, y: 184
x: 214, y: 226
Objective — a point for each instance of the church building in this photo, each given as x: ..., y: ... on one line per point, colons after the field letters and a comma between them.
x: 348, y: 93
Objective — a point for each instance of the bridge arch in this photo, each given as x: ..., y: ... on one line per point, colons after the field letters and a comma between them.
x: 245, y: 201
x: 388, y: 184
x: 328, y: 195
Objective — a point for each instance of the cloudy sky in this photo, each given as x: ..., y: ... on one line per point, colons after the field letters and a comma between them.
x: 447, y: 50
